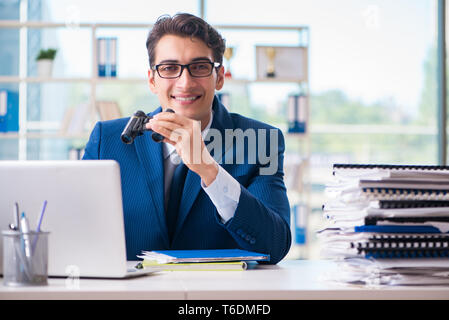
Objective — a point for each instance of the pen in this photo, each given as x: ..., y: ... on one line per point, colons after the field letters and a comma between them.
x: 25, y: 229
x: 16, y: 215
x: 39, y: 223
x: 38, y: 229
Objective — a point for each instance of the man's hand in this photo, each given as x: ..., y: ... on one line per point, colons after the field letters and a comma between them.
x: 185, y: 135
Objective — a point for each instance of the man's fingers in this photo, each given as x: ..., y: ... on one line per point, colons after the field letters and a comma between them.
x: 171, y: 117
x: 169, y: 141
x: 156, y: 124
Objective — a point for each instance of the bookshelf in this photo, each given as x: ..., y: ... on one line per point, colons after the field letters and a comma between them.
x: 32, y: 130
x: 23, y: 79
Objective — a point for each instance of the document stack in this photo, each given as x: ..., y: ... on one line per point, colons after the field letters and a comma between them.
x: 388, y: 224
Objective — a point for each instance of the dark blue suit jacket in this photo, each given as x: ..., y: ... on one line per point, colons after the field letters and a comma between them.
x: 262, y: 218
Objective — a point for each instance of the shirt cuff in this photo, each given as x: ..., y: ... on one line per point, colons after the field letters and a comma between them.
x: 224, y: 192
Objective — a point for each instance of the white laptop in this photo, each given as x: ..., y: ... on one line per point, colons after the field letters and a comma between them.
x: 84, y: 214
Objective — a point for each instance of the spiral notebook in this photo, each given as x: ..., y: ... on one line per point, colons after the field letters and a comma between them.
x: 417, y: 251
x: 404, y: 194
x: 392, y: 204
x: 393, y: 176
x: 333, y: 235
x: 387, y: 245
x: 388, y: 208
x: 408, y: 204
x: 355, y: 166
x: 422, y: 241
x: 401, y: 184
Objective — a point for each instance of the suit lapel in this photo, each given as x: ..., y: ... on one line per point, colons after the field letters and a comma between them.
x: 151, y: 159
x: 192, y: 187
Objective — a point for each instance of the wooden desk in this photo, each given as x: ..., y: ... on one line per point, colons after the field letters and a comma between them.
x: 289, y: 280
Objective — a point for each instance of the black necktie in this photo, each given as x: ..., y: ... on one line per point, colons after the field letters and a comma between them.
x: 175, y: 196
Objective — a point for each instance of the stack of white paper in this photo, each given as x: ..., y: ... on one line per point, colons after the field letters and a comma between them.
x: 388, y: 224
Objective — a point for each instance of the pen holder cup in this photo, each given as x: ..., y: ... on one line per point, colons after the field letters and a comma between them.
x: 25, y: 258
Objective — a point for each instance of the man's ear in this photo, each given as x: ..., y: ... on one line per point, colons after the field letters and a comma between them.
x: 151, y: 81
x: 220, y: 78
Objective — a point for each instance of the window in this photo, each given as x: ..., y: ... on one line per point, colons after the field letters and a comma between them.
x: 372, y: 80
x: 372, y: 74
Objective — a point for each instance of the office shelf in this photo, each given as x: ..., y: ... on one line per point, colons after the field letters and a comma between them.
x: 42, y: 135
x: 12, y: 79
x: 23, y: 79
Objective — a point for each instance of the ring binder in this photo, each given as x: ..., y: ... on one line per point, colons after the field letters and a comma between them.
x: 410, y: 254
x: 389, y: 166
x: 403, y: 204
x: 403, y: 253
x: 407, y: 191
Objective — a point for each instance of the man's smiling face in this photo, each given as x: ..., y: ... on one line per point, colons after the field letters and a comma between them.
x: 189, y: 96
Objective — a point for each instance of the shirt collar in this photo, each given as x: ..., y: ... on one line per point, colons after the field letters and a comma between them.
x: 168, y: 149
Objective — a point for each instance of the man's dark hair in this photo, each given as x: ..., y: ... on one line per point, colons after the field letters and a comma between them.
x: 185, y: 25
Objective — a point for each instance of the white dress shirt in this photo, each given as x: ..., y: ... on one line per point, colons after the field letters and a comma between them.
x: 224, y: 191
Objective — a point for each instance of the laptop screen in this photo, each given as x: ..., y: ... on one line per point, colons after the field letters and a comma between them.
x: 84, y: 212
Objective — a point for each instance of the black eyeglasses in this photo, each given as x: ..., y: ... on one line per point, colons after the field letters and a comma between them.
x: 196, y: 69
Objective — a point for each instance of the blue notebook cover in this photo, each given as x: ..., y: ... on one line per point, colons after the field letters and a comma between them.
x: 397, y: 229
x: 204, y: 255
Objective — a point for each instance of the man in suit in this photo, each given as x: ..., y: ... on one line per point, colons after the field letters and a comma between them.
x: 208, y: 185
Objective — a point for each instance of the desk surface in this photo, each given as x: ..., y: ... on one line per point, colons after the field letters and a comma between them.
x: 299, y: 279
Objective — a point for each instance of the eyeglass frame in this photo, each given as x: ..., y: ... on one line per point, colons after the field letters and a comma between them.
x: 215, y: 65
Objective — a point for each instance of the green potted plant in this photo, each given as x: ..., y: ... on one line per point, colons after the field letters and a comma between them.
x: 44, y: 60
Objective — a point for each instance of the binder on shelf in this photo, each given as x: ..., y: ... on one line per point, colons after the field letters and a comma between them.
x: 76, y: 153
x: 107, y: 56
x: 9, y: 111
x: 299, y: 215
x: 297, y: 109
x: 101, y: 51
x: 192, y: 256
x: 112, y: 56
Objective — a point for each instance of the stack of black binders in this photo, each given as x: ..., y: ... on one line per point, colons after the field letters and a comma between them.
x: 388, y: 224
